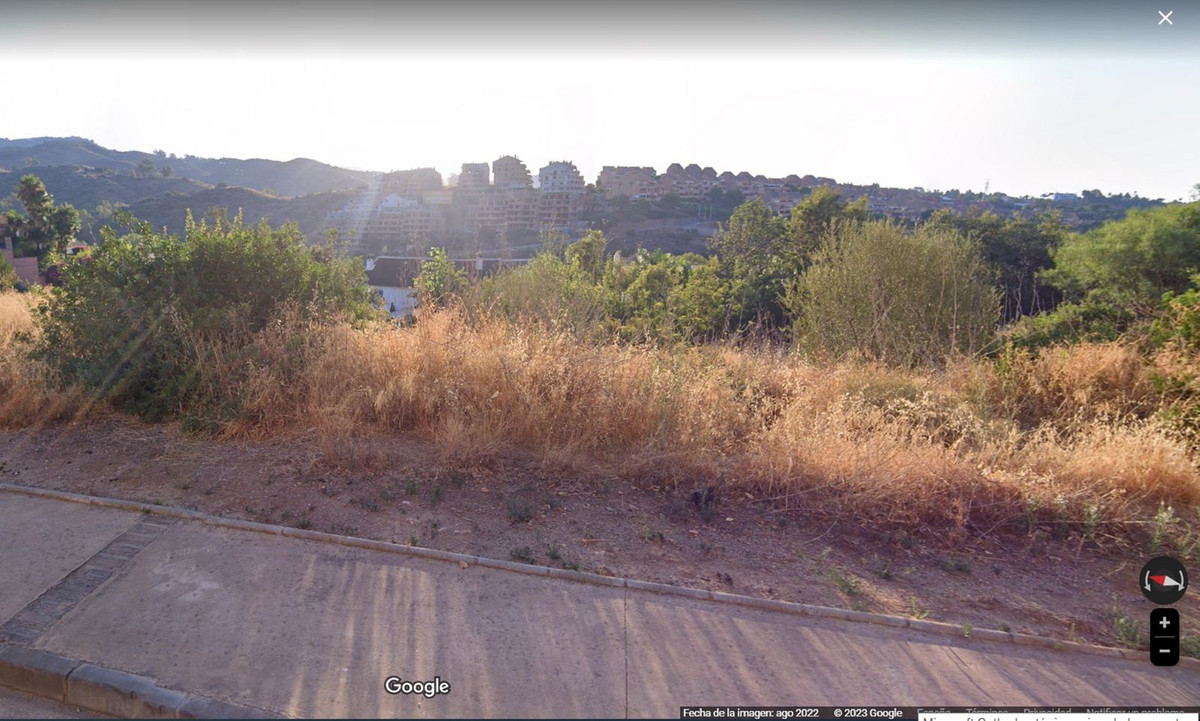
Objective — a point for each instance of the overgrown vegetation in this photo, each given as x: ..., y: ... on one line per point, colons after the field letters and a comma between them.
x: 156, y: 325
x: 826, y: 362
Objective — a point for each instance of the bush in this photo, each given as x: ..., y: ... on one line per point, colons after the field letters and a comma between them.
x: 141, y: 320
x: 439, y: 279
x: 8, y: 274
x: 1098, y: 318
x: 902, y: 298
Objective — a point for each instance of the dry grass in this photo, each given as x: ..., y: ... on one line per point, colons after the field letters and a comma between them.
x: 947, y: 450
x: 1068, y: 432
x: 27, y: 398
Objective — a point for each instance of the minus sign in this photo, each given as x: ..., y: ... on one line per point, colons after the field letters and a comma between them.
x: 1164, y: 650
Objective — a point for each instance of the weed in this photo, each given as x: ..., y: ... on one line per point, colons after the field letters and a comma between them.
x: 652, y: 535
x: 522, y: 554
x: 1161, y: 526
x: 1005, y: 628
x: 341, y: 529
x: 519, y: 510
x: 915, y: 612
x: 410, y: 487
x: 412, y: 540
x: 571, y: 565
x: 304, y: 523
x: 957, y: 564
x: 845, y: 582
x: 885, y: 572
x: 967, y: 629
x: 1091, y: 521
x: 1190, y: 646
x: 458, y: 478
x: 553, y: 553
x: 1127, y: 631
x: 435, y: 496
x: 368, y: 504
x: 705, y: 502
x: 185, y: 485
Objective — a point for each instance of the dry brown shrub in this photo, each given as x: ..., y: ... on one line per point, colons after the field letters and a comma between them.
x: 1137, y: 461
x: 1065, y: 385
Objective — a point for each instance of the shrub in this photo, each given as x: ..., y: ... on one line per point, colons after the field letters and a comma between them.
x: 439, y: 279
x: 141, y: 320
x: 1098, y: 318
x: 903, y: 298
x: 8, y: 274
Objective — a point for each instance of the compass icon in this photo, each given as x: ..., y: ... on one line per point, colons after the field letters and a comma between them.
x: 1163, y: 580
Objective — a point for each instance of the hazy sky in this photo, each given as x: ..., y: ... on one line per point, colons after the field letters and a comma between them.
x: 1036, y: 97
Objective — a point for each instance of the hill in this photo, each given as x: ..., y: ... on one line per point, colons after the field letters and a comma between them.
x: 300, y: 176
x: 308, y: 211
x: 86, y: 187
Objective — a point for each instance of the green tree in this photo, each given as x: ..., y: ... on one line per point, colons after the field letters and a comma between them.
x: 48, y: 228
x: 1138, y: 258
x: 439, y: 279
x: 749, y: 251
x: 904, y: 298
x: 812, y: 217
x: 1019, y: 249
x: 587, y: 254
x: 145, y: 169
x: 699, y: 304
x: 1114, y: 277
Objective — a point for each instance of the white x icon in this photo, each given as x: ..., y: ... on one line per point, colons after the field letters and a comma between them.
x: 1166, y: 18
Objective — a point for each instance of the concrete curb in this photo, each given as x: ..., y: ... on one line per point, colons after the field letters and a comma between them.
x: 799, y: 609
x: 105, y: 690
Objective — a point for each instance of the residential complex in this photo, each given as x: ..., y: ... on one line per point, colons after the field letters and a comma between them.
x: 500, y: 207
x: 405, y: 211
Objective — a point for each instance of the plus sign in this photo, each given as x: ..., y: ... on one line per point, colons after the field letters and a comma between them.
x: 1164, y: 623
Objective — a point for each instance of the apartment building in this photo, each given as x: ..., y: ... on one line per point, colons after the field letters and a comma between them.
x: 629, y: 181
x: 475, y: 177
x: 561, y: 177
x: 509, y: 173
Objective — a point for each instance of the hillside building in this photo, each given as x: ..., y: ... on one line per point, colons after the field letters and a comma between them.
x: 561, y: 177
x: 475, y: 177
x: 509, y: 173
x: 629, y: 181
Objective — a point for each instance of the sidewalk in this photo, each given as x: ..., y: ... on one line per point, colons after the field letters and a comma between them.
x: 305, y: 627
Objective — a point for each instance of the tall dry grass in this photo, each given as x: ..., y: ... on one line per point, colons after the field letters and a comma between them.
x: 1067, y: 435
x: 1069, y: 431
x: 27, y: 396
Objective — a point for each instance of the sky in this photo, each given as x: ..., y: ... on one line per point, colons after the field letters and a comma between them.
x: 1023, y: 97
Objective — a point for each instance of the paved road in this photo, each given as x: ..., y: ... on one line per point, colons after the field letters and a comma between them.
x: 15, y: 704
x: 310, y: 628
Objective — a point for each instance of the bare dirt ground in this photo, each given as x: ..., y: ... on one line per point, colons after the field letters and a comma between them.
x: 400, y: 490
